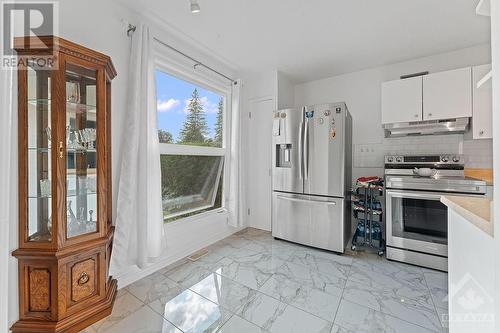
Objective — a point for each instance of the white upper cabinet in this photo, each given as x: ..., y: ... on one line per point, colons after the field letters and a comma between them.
x: 481, y: 104
x: 448, y: 94
x: 402, y: 100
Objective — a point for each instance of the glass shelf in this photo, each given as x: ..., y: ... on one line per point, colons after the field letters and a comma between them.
x: 68, y: 150
x: 70, y: 106
x: 41, y: 237
x: 39, y: 175
x: 70, y: 194
x: 81, y: 163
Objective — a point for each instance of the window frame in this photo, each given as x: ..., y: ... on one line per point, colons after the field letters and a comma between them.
x: 186, y: 72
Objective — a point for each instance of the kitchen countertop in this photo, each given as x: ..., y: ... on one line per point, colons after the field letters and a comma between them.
x: 477, y: 211
x: 482, y: 174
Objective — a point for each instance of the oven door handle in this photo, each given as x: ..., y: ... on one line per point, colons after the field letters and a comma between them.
x: 414, y: 195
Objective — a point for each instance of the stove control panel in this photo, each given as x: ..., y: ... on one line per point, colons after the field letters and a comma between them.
x: 424, y: 159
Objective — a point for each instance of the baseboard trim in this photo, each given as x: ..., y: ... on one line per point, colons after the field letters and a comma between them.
x: 129, y: 278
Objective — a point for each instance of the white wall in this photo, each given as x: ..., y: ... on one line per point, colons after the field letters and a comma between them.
x: 361, y: 91
x: 104, y: 31
x: 285, y: 91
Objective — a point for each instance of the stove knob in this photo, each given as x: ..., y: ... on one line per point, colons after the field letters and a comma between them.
x: 390, y: 159
x: 456, y: 159
x: 399, y: 159
x: 444, y: 159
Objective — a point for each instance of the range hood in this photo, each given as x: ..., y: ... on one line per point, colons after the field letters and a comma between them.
x: 429, y: 127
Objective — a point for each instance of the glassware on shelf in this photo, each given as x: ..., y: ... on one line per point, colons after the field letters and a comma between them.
x: 82, y: 220
x: 48, y: 132
x: 81, y: 139
x: 45, y: 188
x: 92, y: 133
x: 91, y: 225
x: 71, y: 220
x: 82, y: 185
x: 49, y: 224
x: 92, y: 184
x: 69, y: 142
x: 73, y: 92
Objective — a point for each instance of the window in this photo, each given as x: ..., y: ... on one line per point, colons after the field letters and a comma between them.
x: 191, y: 122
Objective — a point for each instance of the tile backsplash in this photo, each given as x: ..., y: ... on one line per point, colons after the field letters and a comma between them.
x: 478, y: 153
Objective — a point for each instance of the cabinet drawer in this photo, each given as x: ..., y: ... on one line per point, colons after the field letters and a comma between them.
x: 308, y: 220
x: 82, y: 280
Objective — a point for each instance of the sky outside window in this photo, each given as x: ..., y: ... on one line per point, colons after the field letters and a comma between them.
x: 173, y: 97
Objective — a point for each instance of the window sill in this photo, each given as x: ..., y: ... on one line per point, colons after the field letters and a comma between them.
x: 198, y: 217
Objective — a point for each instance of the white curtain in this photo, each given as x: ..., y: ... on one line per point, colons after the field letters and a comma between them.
x: 8, y: 197
x: 139, y: 235
x: 235, y: 191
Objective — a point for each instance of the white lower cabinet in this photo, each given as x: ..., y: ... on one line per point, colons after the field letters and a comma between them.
x: 482, y: 104
x: 471, y: 277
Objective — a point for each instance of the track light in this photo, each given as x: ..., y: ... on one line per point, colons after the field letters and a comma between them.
x: 195, y: 7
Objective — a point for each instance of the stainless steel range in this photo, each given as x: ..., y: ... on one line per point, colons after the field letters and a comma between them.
x: 416, y: 220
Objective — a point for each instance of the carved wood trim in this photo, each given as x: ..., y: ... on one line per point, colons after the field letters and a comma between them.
x: 54, y: 44
x: 39, y: 290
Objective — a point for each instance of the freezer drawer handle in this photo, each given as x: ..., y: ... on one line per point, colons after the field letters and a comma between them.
x: 301, y: 158
x: 331, y: 203
x: 306, y: 149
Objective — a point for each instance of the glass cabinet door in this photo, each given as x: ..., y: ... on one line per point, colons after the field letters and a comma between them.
x: 39, y: 171
x: 81, y: 140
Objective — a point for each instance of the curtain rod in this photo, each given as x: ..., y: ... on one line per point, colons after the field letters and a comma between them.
x: 131, y: 29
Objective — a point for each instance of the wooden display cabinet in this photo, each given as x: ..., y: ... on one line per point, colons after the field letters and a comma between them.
x: 65, y: 230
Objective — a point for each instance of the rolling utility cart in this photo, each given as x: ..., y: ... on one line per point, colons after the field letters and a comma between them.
x: 367, y: 208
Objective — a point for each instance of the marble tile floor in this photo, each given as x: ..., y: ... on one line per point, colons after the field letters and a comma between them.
x: 250, y: 282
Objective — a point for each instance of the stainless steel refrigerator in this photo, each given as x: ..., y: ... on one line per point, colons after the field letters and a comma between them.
x: 312, y: 163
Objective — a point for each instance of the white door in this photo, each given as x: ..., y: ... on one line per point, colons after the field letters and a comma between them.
x: 402, y: 100
x: 448, y: 94
x: 259, y: 163
x: 482, y: 116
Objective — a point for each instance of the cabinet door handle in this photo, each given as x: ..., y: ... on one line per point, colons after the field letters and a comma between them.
x: 61, y: 151
x: 481, y: 132
x: 430, y: 114
x: 416, y: 116
x: 84, y: 278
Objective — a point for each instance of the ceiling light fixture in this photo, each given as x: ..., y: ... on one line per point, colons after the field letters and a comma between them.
x: 195, y: 7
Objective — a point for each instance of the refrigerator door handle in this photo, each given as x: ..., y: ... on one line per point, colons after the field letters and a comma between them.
x: 331, y: 203
x: 306, y: 149
x: 300, y: 145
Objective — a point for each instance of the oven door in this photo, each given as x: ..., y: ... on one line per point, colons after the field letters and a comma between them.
x: 417, y: 221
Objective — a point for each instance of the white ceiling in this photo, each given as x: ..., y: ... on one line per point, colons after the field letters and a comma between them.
x: 312, y: 39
